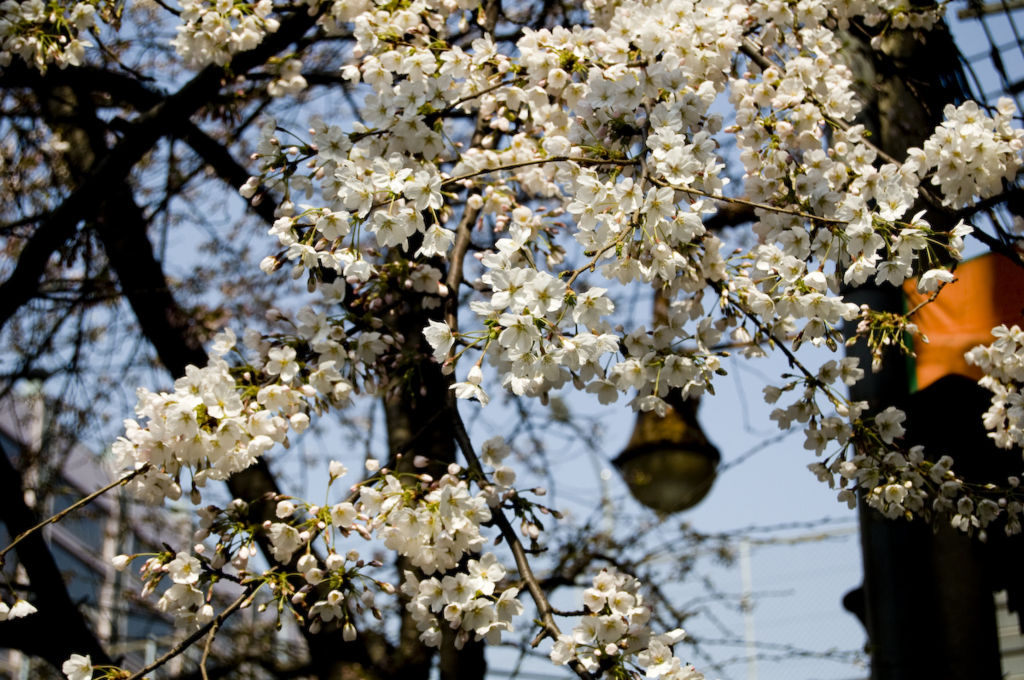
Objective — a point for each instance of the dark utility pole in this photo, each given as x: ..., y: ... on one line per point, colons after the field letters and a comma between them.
x: 927, y: 600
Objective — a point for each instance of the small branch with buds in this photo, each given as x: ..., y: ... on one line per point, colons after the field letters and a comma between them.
x: 544, y: 609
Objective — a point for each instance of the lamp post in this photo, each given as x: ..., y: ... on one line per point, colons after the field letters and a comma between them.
x: 668, y: 464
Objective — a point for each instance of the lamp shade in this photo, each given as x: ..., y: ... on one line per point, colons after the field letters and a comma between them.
x: 668, y: 464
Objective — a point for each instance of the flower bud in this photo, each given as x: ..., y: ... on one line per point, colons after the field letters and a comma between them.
x: 204, y: 615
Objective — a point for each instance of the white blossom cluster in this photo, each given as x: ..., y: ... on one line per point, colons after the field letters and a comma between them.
x: 904, y: 484
x: 187, y: 598
x: 435, y: 524
x: 215, y: 31
x: 610, y: 127
x: 615, y: 634
x: 41, y: 36
x: 636, y: 211
x: 436, y: 538
x: 971, y: 153
x: 467, y: 601
x: 1003, y: 364
x: 898, y: 482
x: 220, y: 418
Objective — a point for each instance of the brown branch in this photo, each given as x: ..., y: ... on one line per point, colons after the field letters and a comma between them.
x: 730, y: 215
x: 463, y: 235
x: 541, y: 161
x: 593, y: 261
x: 749, y: 204
x: 544, y: 609
x: 206, y: 650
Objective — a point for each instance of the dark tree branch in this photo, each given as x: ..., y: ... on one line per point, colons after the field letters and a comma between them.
x: 115, y: 166
x: 227, y: 168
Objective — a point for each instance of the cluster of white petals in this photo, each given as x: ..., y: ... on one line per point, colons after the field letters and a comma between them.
x: 40, y: 35
x: 1003, y: 364
x: 466, y: 600
x: 615, y: 632
x: 213, y: 32
x: 971, y: 153
x: 220, y: 418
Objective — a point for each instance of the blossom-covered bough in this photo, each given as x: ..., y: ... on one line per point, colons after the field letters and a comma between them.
x: 595, y: 153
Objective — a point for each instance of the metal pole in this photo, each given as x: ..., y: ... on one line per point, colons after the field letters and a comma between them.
x: 748, y: 608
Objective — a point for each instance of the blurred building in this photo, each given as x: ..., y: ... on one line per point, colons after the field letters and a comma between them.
x: 59, y: 473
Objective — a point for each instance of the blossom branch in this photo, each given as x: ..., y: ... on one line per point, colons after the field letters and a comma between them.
x: 250, y: 590
x: 541, y: 161
x: 749, y: 204
x: 544, y: 608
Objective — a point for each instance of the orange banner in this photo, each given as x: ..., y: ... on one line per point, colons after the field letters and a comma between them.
x: 988, y: 291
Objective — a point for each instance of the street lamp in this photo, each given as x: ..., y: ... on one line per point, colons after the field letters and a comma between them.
x: 668, y: 464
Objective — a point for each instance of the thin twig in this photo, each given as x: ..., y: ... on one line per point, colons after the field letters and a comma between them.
x: 793, y: 361
x: 931, y: 298
x: 250, y: 590
x: 85, y: 501
x: 593, y: 261
x: 749, y: 204
x: 541, y: 161
x: 206, y: 649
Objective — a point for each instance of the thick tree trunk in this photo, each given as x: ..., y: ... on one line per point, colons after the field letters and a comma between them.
x: 415, y: 410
